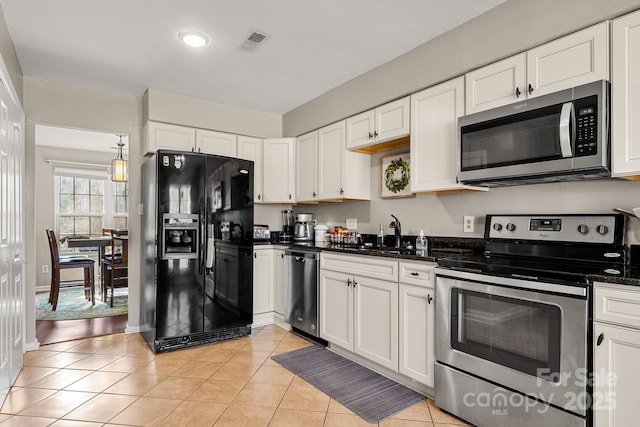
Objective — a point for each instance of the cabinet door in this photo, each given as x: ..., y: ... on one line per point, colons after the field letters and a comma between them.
x: 331, y: 151
x: 434, y: 131
x: 278, y: 170
x: 417, y: 332
x: 336, y: 308
x: 163, y: 136
x: 278, y: 281
x: 360, y: 130
x: 376, y: 320
x: 307, y: 167
x: 625, y: 89
x: 615, y: 364
x: 500, y: 83
x: 262, y: 281
x: 250, y: 148
x: 392, y: 120
x: 573, y: 60
x: 220, y: 143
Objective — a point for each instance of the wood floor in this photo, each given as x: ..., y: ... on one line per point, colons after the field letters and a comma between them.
x: 54, y: 331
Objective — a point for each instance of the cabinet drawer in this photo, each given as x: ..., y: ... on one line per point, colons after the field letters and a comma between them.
x: 367, y: 266
x: 618, y: 304
x: 417, y: 273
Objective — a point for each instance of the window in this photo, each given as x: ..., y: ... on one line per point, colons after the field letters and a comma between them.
x: 88, y: 201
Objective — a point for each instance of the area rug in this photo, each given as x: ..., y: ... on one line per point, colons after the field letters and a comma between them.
x: 368, y: 394
x: 73, y: 305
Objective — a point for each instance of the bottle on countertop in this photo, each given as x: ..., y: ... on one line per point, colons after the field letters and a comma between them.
x: 422, y: 245
x: 380, y: 238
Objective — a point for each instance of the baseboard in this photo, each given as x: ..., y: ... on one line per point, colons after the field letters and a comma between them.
x: 263, y: 319
x: 32, y: 346
x: 279, y: 321
x: 132, y: 329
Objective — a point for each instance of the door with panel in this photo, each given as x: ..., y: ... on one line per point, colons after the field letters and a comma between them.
x: 11, y: 239
x: 336, y: 308
x: 307, y: 167
x: 625, y: 95
x: 250, y: 148
x: 376, y: 320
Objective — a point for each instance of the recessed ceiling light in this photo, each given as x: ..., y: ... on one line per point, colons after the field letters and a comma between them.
x: 193, y: 38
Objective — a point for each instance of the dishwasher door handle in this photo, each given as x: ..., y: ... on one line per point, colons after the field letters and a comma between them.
x: 300, y: 259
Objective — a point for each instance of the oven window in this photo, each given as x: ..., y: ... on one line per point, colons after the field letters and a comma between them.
x: 523, y: 335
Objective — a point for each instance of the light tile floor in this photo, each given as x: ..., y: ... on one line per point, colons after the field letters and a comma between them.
x: 116, y: 380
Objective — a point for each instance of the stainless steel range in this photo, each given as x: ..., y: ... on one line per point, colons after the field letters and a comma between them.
x: 513, y: 335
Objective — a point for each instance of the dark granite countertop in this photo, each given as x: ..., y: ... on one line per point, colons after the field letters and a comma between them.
x: 439, y: 247
x: 631, y: 277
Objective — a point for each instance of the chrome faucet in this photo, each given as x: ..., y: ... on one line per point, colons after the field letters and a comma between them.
x: 398, y: 231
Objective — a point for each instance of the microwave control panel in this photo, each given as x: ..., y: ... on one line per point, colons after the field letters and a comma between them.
x: 586, y: 128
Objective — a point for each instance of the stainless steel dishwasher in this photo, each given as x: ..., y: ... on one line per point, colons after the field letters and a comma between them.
x: 301, y: 289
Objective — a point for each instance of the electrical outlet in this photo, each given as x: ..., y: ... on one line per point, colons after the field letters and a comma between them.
x: 352, y: 223
x: 45, y: 268
x: 468, y: 224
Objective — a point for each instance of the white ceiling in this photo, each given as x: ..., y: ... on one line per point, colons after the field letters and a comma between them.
x: 126, y: 46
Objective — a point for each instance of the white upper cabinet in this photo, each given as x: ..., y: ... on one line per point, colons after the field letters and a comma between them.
x: 500, y: 83
x: 164, y: 136
x: 250, y: 148
x: 382, y: 124
x: 573, y: 60
x: 625, y: 94
x: 278, y: 173
x: 220, y: 143
x: 434, y: 133
x: 342, y: 174
x: 307, y: 167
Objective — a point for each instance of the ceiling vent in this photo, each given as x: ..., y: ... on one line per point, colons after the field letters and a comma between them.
x: 253, y: 41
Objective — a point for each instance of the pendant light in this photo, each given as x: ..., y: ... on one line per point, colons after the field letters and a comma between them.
x: 119, y: 166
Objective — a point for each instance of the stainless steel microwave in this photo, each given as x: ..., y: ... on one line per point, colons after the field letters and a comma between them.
x: 562, y: 136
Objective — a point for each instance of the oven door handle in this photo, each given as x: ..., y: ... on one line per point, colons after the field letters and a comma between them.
x: 534, y: 285
x: 566, y: 121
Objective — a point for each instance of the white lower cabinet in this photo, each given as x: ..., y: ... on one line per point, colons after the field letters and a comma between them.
x: 359, y: 306
x: 416, y: 302
x: 262, y: 284
x: 336, y: 308
x: 278, y: 281
x: 375, y: 320
x: 616, y: 353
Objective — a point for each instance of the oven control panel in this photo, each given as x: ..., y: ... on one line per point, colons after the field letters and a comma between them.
x: 562, y: 228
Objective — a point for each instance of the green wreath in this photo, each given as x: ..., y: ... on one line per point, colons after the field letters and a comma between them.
x: 396, y: 176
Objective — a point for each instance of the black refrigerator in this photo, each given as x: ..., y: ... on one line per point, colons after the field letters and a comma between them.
x: 197, y: 284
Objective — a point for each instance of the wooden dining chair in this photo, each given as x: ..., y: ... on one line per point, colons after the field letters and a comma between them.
x: 59, y: 262
x: 115, y: 266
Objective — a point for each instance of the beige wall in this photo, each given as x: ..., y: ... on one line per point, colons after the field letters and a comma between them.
x: 515, y: 26
x: 512, y: 27
x: 169, y: 107
x: 57, y: 104
x: 442, y: 215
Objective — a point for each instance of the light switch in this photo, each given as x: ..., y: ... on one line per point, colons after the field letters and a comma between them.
x: 352, y: 223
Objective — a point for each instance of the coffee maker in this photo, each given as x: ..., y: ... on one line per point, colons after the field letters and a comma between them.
x: 286, y: 234
x: 303, y: 231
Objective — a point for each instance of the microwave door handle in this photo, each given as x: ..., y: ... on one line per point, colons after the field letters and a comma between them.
x: 566, y: 116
